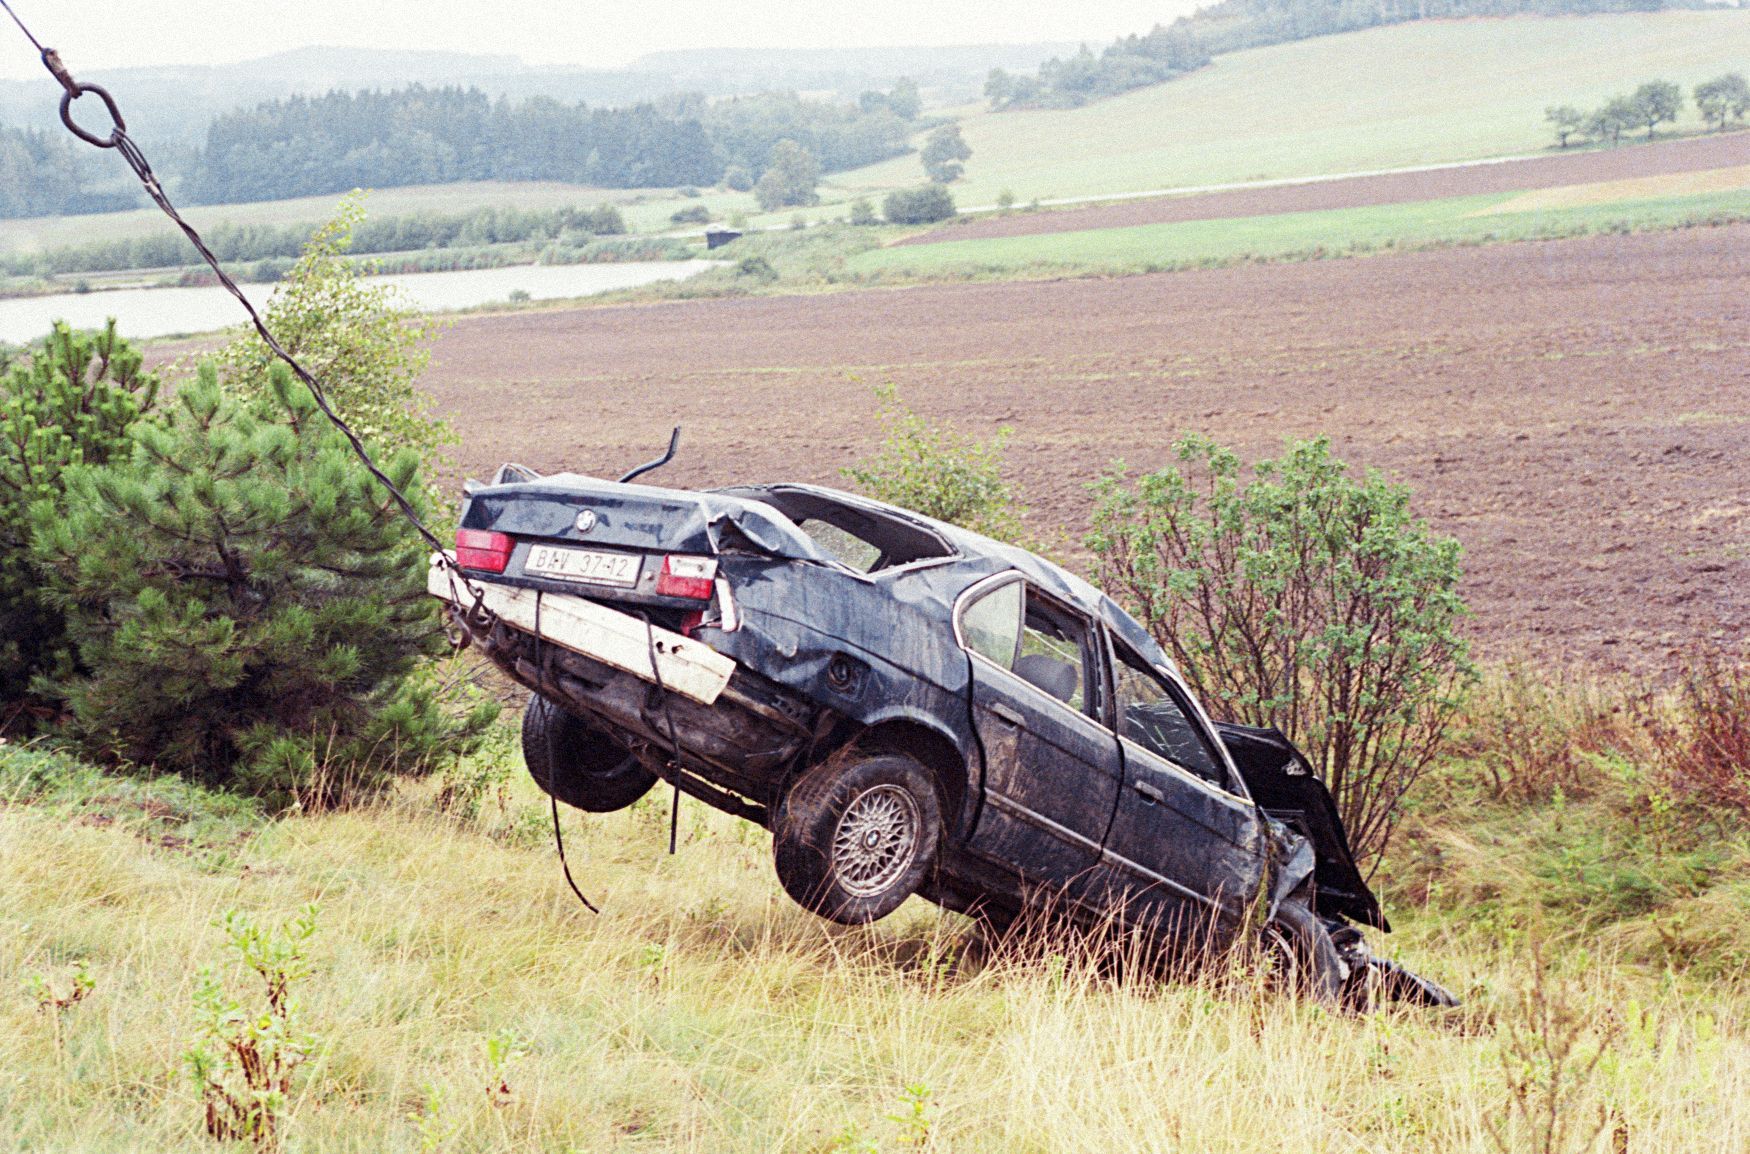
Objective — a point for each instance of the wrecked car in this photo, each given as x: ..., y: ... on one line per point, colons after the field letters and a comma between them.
x: 908, y: 707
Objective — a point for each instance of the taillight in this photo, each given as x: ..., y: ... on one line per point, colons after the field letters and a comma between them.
x: 483, y: 550
x: 690, y: 577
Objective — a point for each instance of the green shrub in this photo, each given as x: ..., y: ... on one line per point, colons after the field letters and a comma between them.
x: 247, y: 604
x: 72, y: 401
x: 757, y: 267
x: 1302, y: 598
x: 862, y: 212
x: 924, y: 205
x: 692, y: 214
x: 939, y: 473
x: 359, y: 339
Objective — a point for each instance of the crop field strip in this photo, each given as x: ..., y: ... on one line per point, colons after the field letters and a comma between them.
x: 1575, y: 168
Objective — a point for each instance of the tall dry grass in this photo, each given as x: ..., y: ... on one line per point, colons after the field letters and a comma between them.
x: 704, y: 1012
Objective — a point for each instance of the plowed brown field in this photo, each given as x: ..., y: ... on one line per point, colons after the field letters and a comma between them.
x: 1574, y: 412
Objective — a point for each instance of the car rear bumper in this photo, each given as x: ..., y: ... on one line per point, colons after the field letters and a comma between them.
x: 687, y: 667
x: 732, y: 727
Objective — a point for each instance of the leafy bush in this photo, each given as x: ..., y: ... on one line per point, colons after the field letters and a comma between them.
x: 940, y: 473
x: 72, y: 401
x: 247, y: 604
x: 862, y: 212
x: 923, y: 205
x: 358, y: 339
x: 692, y: 214
x: 1302, y: 598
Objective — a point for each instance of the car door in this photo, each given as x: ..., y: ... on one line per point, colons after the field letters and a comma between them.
x: 1185, y: 840
x: 1052, y: 771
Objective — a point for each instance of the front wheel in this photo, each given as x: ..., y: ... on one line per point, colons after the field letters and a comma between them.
x: 577, y: 763
x: 1308, y: 957
x: 857, y: 835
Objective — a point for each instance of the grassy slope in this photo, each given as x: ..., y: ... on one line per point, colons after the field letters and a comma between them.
x: 1410, y: 94
x: 1459, y: 220
x: 704, y: 1012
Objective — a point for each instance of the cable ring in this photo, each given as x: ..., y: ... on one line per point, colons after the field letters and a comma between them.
x: 115, y: 115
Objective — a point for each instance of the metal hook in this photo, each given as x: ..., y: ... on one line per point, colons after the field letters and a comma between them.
x: 115, y: 115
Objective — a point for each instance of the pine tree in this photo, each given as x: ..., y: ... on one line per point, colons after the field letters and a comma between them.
x: 247, y: 603
x: 71, y: 401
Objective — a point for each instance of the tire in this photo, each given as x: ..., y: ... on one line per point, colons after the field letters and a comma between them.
x: 577, y: 763
x: 1309, y: 958
x: 857, y: 835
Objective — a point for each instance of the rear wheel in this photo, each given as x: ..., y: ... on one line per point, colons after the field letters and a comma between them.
x: 577, y: 763
x: 857, y: 835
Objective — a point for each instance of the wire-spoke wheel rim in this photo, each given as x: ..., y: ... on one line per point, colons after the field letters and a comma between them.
x: 876, y: 840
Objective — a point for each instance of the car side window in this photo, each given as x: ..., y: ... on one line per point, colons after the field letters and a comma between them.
x: 991, y: 626
x: 1054, y: 651
x: 1151, y: 715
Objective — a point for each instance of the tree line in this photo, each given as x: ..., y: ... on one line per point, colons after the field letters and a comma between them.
x: 1720, y: 101
x: 312, y: 146
x: 416, y: 232
x: 1189, y: 42
x: 300, y: 146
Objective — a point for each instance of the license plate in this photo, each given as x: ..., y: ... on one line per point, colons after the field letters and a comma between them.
x: 583, y: 565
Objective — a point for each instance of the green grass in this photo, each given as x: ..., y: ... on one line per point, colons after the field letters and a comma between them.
x: 1411, y: 94
x: 703, y: 1011
x: 1288, y: 236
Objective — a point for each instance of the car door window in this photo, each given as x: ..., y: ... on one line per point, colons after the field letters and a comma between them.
x: 1151, y: 715
x: 1055, y: 654
x: 991, y: 625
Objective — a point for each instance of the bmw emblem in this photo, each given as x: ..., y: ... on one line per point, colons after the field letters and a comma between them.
x: 586, y: 520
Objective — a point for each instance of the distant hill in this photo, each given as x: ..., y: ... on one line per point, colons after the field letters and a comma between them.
x: 954, y: 71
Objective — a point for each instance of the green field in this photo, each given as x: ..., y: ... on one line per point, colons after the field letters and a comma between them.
x: 1288, y: 236
x: 1418, y: 93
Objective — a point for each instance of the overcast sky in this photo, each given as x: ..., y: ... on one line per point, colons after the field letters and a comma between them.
x: 603, y: 34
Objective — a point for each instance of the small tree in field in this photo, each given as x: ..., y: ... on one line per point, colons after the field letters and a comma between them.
x: 1567, y: 121
x: 944, y: 154
x: 1609, y: 121
x: 1723, y: 98
x: 1655, y: 103
x: 790, y: 176
x: 1302, y: 598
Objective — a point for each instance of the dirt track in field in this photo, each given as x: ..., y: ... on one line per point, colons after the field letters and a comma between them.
x: 1574, y: 412
x: 1629, y: 161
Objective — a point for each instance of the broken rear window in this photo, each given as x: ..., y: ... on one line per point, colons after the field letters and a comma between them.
x: 858, y: 537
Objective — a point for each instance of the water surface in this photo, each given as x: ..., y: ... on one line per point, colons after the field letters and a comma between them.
x: 159, y: 312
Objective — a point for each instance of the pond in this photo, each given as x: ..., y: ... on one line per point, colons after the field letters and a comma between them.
x: 159, y: 312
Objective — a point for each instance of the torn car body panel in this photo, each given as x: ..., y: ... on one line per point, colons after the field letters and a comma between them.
x: 790, y: 623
